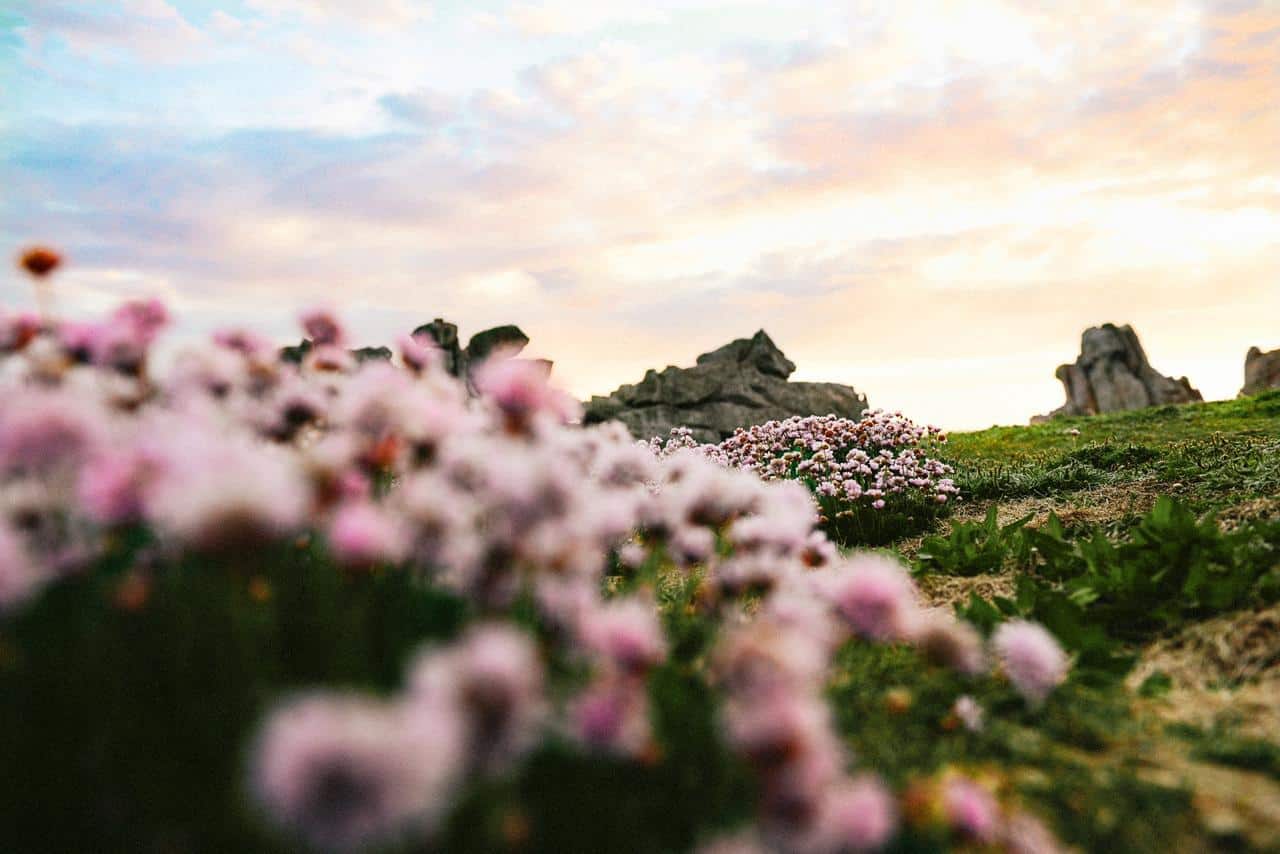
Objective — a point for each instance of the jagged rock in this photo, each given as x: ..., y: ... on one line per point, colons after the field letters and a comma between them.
x: 298, y: 352
x: 737, y: 385
x: 508, y: 339
x: 458, y: 360
x: 366, y: 354
x: 1261, y: 371
x: 1112, y: 374
x: 445, y: 335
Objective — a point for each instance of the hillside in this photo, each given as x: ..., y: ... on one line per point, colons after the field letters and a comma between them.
x: 1193, y: 727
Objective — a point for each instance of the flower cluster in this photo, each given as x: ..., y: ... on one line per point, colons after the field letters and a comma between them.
x: 491, y: 493
x: 879, y: 463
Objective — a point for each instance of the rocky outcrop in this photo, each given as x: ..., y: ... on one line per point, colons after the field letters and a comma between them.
x: 1261, y: 371
x: 1112, y: 374
x: 508, y: 339
x: 458, y: 360
x: 740, y: 384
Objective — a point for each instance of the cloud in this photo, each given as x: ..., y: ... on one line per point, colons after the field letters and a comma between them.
x: 930, y: 207
x: 150, y: 29
x: 425, y: 107
x: 375, y: 13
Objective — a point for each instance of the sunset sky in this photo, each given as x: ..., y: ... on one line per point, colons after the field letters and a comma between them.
x: 929, y: 201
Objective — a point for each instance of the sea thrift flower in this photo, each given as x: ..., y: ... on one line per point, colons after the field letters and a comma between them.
x: 968, y: 713
x: 216, y: 494
x: 946, y: 641
x: 626, y: 632
x: 323, y: 328
x: 19, y: 578
x: 858, y: 816
x: 874, y: 594
x: 17, y: 330
x: 363, y: 535
x: 346, y: 773
x: 970, y: 809
x: 520, y: 389
x: 494, y: 678
x: 419, y: 353
x: 112, y: 486
x: 1026, y: 834
x: 43, y: 431
x: 612, y: 716
x: 1031, y: 658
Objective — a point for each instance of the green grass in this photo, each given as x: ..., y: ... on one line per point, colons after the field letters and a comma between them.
x: 1214, y: 455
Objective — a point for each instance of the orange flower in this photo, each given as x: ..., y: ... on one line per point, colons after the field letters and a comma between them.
x: 39, y: 261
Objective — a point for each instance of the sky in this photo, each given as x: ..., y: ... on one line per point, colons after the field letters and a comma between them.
x: 929, y: 201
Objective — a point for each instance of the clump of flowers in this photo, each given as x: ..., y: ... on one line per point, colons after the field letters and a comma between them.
x: 861, y: 472
x: 587, y: 574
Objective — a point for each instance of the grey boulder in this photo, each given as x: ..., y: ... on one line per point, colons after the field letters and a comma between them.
x: 739, y: 384
x: 1112, y: 374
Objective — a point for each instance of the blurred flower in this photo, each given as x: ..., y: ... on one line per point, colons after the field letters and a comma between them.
x: 19, y: 577
x: 520, y: 389
x: 874, y: 594
x: 970, y: 809
x: 39, y: 261
x: 626, y: 632
x: 347, y: 773
x: 1031, y: 658
x: 323, y: 328
x: 362, y: 535
x: 968, y: 713
x: 612, y: 716
x: 857, y: 816
x: 946, y: 641
x: 493, y: 676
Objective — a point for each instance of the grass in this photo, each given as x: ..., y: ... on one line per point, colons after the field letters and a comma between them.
x: 1114, y: 531
x: 1213, y: 455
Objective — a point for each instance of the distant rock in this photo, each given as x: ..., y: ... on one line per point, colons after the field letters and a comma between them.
x: 1261, y: 371
x: 1112, y: 374
x: 458, y: 360
x: 508, y: 339
x: 298, y: 352
x: 737, y: 385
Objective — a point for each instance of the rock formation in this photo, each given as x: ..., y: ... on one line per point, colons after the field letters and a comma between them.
x: 740, y: 384
x: 458, y: 360
x: 1112, y: 374
x: 1261, y: 371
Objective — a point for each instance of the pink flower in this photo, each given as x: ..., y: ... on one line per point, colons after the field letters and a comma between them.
x: 246, y: 343
x: 493, y: 677
x: 968, y: 712
x: 521, y: 391
x: 1026, y: 834
x: 346, y: 773
x: 419, y: 352
x: 626, y: 632
x: 112, y: 486
x: 215, y: 492
x: 874, y: 595
x: 19, y: 578
x: 1031, y: 658
x: 612, y: 716
x: 42, y: 431
x: 323, y: 328
x: 971, y: 809
x: 946, y: 641
x: 363, y: 534
x: 858, y: 816
x: 17, y: 330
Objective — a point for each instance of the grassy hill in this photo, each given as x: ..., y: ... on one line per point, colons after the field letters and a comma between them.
x: 1150, y: 542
